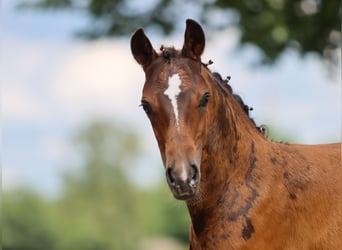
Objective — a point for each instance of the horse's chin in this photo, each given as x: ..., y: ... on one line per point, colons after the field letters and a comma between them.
x: 184, y: 195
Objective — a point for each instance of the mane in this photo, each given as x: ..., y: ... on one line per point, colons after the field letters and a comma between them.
x: 246, y: 108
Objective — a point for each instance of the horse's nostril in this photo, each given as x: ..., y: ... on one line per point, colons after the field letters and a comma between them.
x: 169, y: 176
x: 182, y: 178
x: 194, y: 172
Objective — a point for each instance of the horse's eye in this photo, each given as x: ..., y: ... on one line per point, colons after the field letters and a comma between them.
x: 204, y: 100
x: 146, y: 106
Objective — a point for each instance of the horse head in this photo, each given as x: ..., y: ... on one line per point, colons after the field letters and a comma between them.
x: 175, y: 99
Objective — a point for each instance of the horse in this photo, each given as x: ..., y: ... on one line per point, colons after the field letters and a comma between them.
x: 242, y: 191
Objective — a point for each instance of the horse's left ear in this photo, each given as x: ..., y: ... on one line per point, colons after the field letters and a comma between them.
x: 194, y: 40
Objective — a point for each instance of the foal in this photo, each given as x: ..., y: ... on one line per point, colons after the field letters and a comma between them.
x: 241, y: 190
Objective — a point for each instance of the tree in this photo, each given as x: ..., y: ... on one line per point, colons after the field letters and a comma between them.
x: 99, y: 200
x: 26, y: 222
x: 271, y: 25
x: 99, y: 208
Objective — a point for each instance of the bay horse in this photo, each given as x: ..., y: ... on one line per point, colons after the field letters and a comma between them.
x: 242, y: 191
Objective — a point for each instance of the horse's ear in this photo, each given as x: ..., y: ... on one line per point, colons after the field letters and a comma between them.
x: 194, y: 40
x: 142, y: 49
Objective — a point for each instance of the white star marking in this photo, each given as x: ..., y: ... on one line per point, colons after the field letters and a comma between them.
x: 172, y: 92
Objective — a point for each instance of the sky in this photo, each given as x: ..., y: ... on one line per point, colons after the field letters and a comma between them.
x: 53, y: 84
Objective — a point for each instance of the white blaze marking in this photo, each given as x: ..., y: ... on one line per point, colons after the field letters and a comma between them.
x: 173, y: 91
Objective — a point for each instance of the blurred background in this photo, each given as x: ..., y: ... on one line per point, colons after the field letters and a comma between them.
x: 80, y: 165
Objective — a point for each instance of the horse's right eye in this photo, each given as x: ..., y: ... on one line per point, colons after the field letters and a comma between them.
x: 146, y: 106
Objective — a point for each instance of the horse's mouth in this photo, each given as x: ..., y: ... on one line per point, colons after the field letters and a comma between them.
x: 183, y: 192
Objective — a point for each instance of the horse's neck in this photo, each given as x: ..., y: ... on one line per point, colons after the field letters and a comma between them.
x: 228, y: 156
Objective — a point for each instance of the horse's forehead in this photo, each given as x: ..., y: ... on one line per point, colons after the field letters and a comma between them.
x: 168, y: 75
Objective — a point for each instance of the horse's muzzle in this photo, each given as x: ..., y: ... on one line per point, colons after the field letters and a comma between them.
x: 184, y: 183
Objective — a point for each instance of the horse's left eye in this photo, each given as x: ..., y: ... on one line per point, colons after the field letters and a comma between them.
x: 204, y: 100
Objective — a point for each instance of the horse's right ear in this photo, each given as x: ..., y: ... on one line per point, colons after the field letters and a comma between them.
x: 142, y: 49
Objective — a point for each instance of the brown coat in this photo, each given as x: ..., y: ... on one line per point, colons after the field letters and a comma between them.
x: 242, y: 191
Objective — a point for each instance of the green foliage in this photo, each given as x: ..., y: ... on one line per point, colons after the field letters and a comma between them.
x: 169, y: 217
x: 274, y: 25
x: 55, y: 4
x: 271, y: 25
x: 26, y: 222
x: 101, y: 193
x: 100, y: 208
